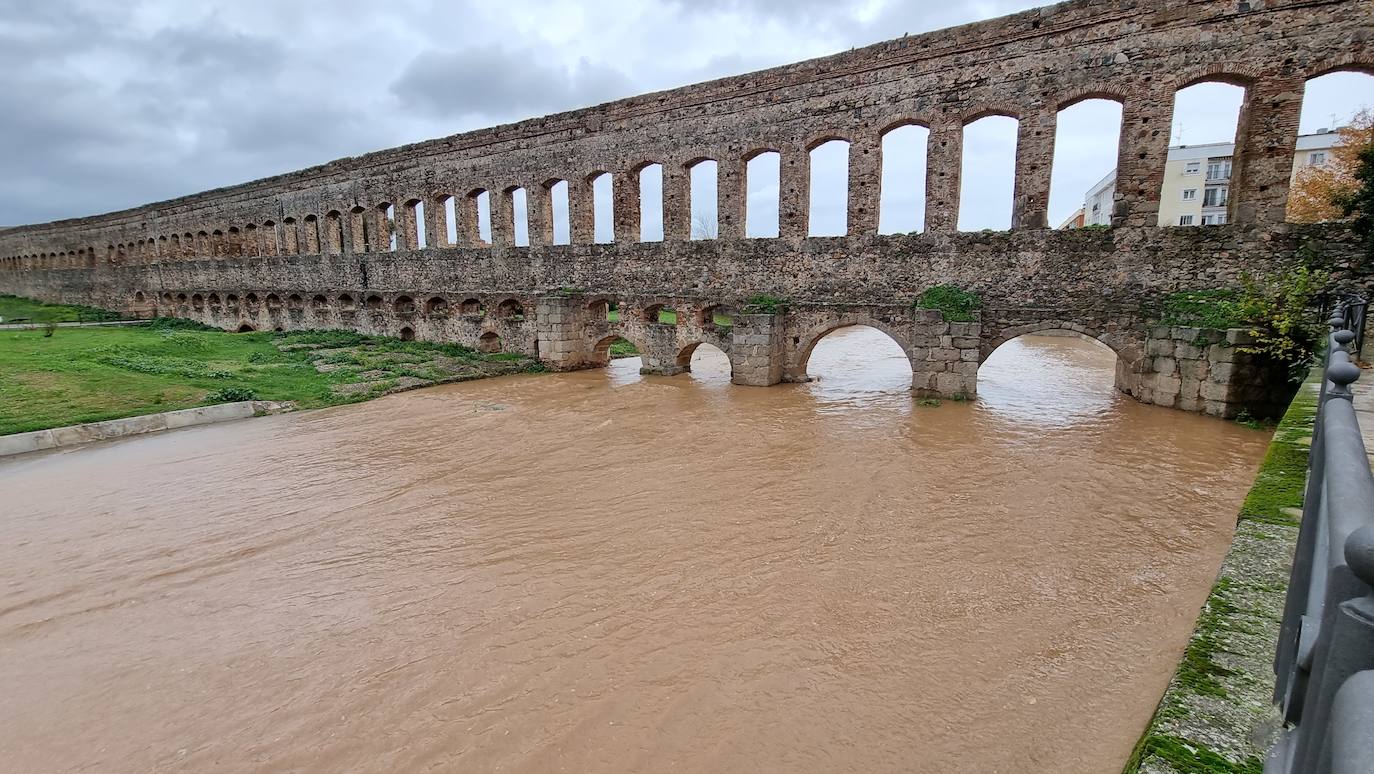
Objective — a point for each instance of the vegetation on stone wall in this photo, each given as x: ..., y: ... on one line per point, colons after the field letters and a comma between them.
x: 764, y: 304
x: 955, y: 303
x: 1277, y: 310
x: 84, y: 375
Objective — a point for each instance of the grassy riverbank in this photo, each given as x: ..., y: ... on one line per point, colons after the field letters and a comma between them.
x: 17, y: 309
x: 1216, y: 717
x: 79, y: 375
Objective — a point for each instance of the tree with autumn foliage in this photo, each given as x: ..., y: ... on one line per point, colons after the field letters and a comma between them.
x: 1321, y: 193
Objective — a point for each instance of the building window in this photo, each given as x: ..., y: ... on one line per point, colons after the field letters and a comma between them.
x: 1185, y: 220
x: 1219, y: 169
x: 1192, y: 168
x: 1215, y: 197
x: 1316, y: 159
x: 1208, y: 220
x: 1189, y: 194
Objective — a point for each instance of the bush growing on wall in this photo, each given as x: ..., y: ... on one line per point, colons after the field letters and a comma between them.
x: 955, y: 303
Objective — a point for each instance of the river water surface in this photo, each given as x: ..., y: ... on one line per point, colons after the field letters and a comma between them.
x: 602, y: 572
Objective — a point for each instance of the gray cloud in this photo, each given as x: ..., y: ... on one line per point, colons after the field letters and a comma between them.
x: 113, y: 105
x: 491, y: 81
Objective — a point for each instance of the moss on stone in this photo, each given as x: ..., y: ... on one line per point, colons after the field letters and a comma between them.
x: 1188, y: 757
x: 1283, y: 474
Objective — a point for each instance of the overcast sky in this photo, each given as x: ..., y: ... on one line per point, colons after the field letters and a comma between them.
x: 111, y: 105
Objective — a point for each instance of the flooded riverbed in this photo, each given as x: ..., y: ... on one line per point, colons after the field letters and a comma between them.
x: 603, y: 572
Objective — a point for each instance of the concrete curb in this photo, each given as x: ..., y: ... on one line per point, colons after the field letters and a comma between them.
x: 73, y: 435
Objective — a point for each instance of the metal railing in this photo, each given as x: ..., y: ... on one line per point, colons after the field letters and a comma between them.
x: 1354, y: 308
x: 1324, y: 663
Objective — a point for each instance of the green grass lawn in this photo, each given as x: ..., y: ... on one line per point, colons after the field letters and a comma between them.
x: 92, y: 374
x: 12, y: 307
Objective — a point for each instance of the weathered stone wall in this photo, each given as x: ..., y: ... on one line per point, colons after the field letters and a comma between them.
x: 310, y: 248
x: 1206, y: 371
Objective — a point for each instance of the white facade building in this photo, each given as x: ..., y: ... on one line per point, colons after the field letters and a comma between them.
x: 1197, y: 182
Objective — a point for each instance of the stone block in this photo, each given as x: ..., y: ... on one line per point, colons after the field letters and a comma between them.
x: 1184, y: 351
x: 1160, y: 347
x: 971, y: 355
x: 1164, y: 365
x: 1161, y: 332
x: 947, y: 355
x: 1221, y: 353
x: 1239, y: 336
x: 1221, y: 372
x: 1184, y: 334
x: 1214, y: 391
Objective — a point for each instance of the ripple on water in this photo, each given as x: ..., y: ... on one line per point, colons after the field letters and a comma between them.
x: 603, y: 571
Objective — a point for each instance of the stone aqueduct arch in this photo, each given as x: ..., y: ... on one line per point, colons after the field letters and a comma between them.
x: 314, y: 233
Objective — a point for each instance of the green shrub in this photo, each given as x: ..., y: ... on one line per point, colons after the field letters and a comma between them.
x: 1203, y: 309
x: 231, y: 395
x: 955, y: 303
x: 764, y: 304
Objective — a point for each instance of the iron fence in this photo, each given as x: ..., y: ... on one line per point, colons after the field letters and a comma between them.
x: 1324, y: 664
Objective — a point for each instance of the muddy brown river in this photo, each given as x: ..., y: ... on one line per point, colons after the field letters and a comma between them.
x: 603, y: 572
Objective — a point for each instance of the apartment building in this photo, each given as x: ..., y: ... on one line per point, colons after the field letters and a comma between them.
x: 1197, y: 182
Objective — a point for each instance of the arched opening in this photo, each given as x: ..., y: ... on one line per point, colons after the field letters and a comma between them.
x: 295, y: 303
x: 902, y: 205
x: 246, y: 328
x: 762, y: 189
x: 290, y: 236
x: 1051, y: 377
x: 403, y: 305
x: 987, y: 179
x: 319, y: 303
x: 489, y: 342
x: 269, y: 239
x: 858, y: 365
x: 360, y: 230
x: 560, y: 224
x: 651, y: 203
x: 234, y: 242
x: 168, y: 298
x: 212, y: 301
x: 828, y: 214
x: 470, y: 307
x: 231, y: 301
x: 660, y: 314
x: 373, y: 303
x: 250, y: 241
x: 704, y: 195
x: 510, y: 310
x: 346, y: 303
x: 138, y: 297
x: 1087, y: 136
x: 601, y: 310
x: 479, y: 216
x: 312, y: 235
x: 715, y: 317
x: 621, y: 358
x: 415, y: 214
x: 1337, y: 120
x: 450, y: 210
x: 706, y: 362
x: 407, y: 334
x: 520, y: 216
x: 603, y: 208
x: 273, y: 302
x: 436, y: 306
x: 181, y: 299
x: 1197, y: 176
x: 334, y: 232
x: 198, y: 302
